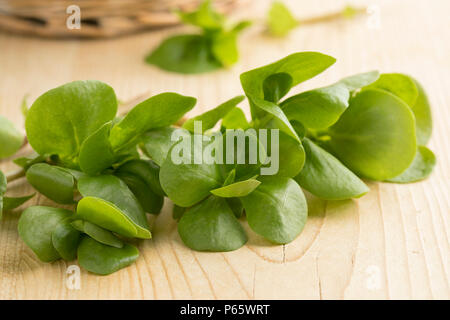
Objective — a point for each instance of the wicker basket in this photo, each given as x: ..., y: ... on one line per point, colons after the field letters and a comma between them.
x: 99, y: 18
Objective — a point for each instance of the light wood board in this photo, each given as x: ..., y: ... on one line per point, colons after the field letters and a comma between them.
x: 391, y: 244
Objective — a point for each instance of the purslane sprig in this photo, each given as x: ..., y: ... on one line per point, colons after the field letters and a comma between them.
x: 213, y: 48
x: 367, y: 126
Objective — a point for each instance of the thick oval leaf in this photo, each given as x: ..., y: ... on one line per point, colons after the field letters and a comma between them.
x: 53, y: 182
x: 96, y: 153
x: 101, y: 235
x: 60, y: 119
x: 360, y: 80
x: 150, y: 202
x: 186, y: 182
x: 236, y: 206
x: 211, y: 226
x: 204, y: 17
x: 420, y: 168
x: 277, y: 210
x: 146, y: 170
x: 276, y: 86
x: 326, y: 177
x: 224, y: 47
x: 318, y: 108
x: 422, y: 113
x: 106, y: 215
x: 280, y: 20
x: 300, y: 66
x: 10, y: 139
x: 28, y: 161
x: 159, y: 111
x: 36, y: 225
x: 237, y: 189
x: 235, y: 119
x: 115, y: 191
x: 156, y: 143
x: 185, y: 54
x: 210, y: 118
x: 375, y: 136
x: 10, y: 203
x: 65, y: 240
x: 399, y: 85
x: 102, y: 259
x: 291, y: 155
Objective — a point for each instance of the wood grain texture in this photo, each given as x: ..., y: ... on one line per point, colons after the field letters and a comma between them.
x: 391, y: 244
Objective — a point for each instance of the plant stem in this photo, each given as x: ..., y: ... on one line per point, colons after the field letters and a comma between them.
x: 14, y: 175
x: 330, y: 16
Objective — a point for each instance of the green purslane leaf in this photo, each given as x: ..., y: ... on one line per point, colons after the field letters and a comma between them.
x: 110, y: 204
x: 321, y: 108
x: 236, y: 206
x: 65, y: 240
x: 96, y: 153
x: 420, y: 168
x: 61, y: 119
x: 422, y: 113
x: 210, y: 118
x: 326, y: 177
x: 211, y: 226
x: 187, y: 183
x: 189, y: 54
x: 156, y: 143
x: 97, y: 233
x: 11, y: 139
x: 159, y: 111
x: 53, y: 182
x: 276, y: 86
x: 280, y: 20
x: 10, y: 203
x: 235, y: 119
x: 27, y: 161
x: 277, y: 209
x: 36, y: 225
x: 177, y: 212
x: 204, y: 17
x: 237, y: 189
x: 375, y: 136
x: 145, y: 170
x: 102, y: 259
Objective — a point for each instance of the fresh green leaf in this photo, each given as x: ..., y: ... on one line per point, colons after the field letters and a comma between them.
x: 150, y: 202
x: 280, y: 20
x: 103, y: 259
x: 28, y: 161
x: 97, y: 233
x: 422, y: 113
x: 120, y: 210
x: 11, y: 139
x: 360, y: 80
x: 399, y: 85
x: 204, y: 17
x: 420, y: 168
x: 277, y: 209
x: 236, y: 206
x: 210, y: 118
x: 189, y: 53
x: 65, y: 240
x: 36, y: 226
x: 225, y: 48
x: 231, y: 177
x: 187, y: 183
x: 326, y: 177
x: 61, y: 119
x: 235, y: 119
x: 237, y: 189
x: 159, y: 111
x: 145, y: 170
x: 375, y: 136
x: 276, y: 86
x: 10, y: 203
x: 211, y: 226
x: 300, y: 66
x: 53, y: 182
x: 96, y: 153
x: 156, y: 143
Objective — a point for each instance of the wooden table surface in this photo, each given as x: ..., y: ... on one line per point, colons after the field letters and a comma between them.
x: 391, y: 244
